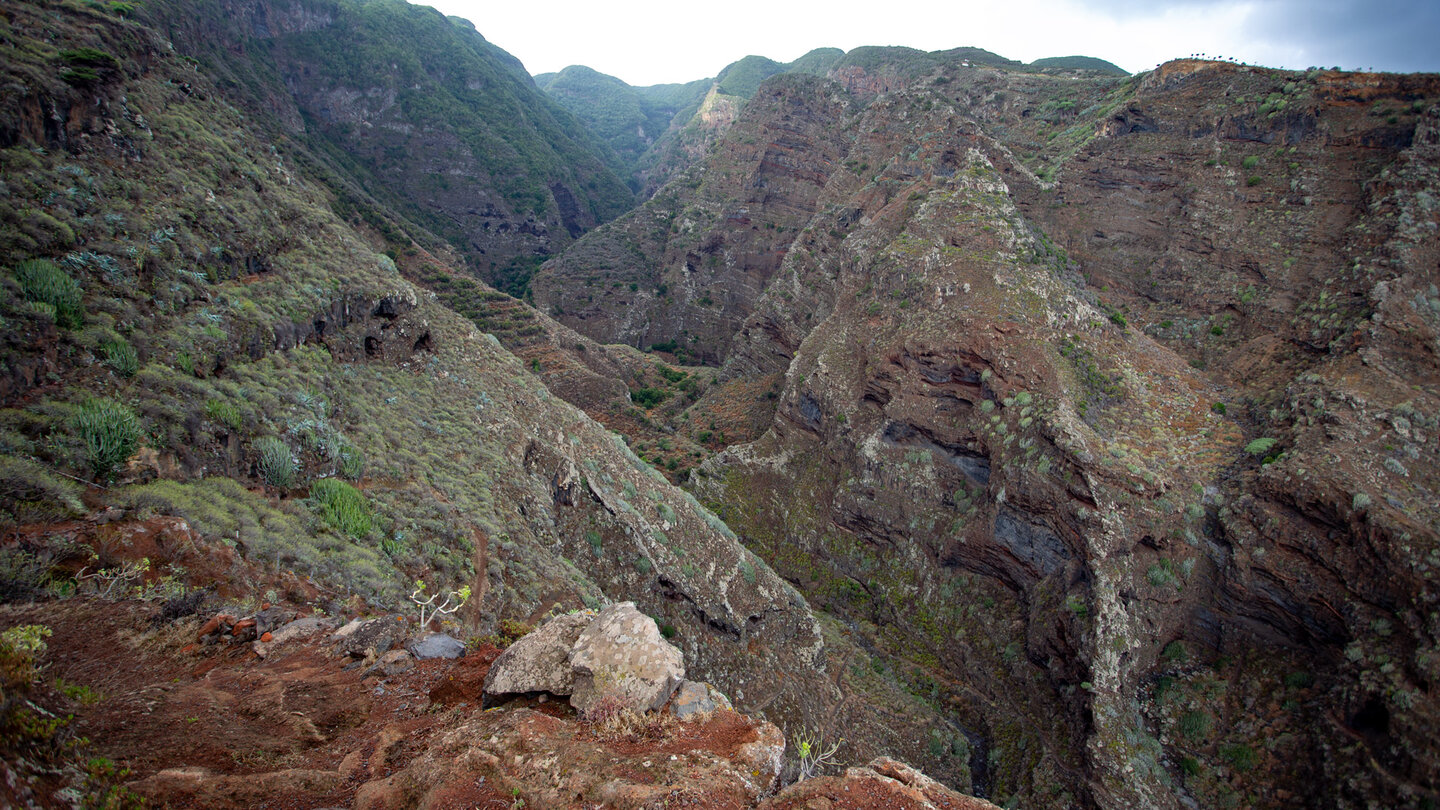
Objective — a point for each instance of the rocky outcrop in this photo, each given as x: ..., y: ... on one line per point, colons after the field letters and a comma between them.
x: 621, y: 657
x: 882, y: 783
x: 540, y: 661
x: 1035, y: 377
x: 615, y: 658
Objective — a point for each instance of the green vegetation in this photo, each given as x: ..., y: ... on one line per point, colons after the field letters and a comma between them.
x: 649, y: 397
x: 109, y: 432
x: 275, y: 462
x: 1240, y: 756
x: 1260, y: 447
x: 44, y: 282
x: 24, y: 727
x: 1080, y: 63
x: 1195, y: 725
x: 121, y: 357
x: 342, y: 506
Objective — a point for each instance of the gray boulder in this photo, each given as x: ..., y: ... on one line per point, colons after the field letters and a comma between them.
x: 368, y: 639
x: 621, y: 655
x: 540, y: 661
x: 435, y: 645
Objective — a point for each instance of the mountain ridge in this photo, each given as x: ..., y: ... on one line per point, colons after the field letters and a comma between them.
x: 1070, y: 435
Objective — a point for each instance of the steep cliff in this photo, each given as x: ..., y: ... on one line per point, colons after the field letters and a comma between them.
x: 197, y: 341
x: 1099, y: 397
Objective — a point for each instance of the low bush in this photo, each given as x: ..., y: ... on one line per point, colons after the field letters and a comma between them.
x: 109, y: 432
x: 275, y: 462
x: 121, y: 356
x: 342, y: 506
x: 43, y: 281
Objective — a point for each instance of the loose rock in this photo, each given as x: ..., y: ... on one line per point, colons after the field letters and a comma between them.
x: 622, y: 655
x: 540, y: 661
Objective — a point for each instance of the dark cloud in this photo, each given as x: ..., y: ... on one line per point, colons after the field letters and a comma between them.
x: 1397, y: 35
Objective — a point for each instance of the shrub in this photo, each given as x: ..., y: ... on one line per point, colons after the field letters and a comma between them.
x: 110, y: 433
x: 1194, y: 725
x: 342, y: 506
x: 30, y: 492
x: 276, y: 464
x: 121, y: 357
x: 224, y: 413
x: 1175, y: 653
x: 649, y: 397
x: 22, y: 724
x: 89, y: 56
x: 1241, y: 757
x: 43, y: 281
x: 352, y: 462
x: 1260, y: 447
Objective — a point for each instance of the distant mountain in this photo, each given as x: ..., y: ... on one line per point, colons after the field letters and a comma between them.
x: 628, y: 119
x: 659, y: 130
x: 1080, y: 63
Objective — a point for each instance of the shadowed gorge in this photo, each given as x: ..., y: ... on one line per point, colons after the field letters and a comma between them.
x: 1067, y: 434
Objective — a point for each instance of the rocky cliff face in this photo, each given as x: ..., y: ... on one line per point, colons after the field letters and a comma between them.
x: 1090, y: 413
x: 686, y: 267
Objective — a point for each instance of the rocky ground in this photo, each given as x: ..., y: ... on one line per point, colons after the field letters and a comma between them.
x: 301, y: 712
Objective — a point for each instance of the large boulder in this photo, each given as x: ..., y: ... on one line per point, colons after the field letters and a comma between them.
x: 622, y: 656
x: 540, y: 661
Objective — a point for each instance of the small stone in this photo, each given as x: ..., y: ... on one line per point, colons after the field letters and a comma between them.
x: 267, y: 636
x: 392, y: 663
x: 219, y: 623
x: 693, y: 698
x: 244, y: 630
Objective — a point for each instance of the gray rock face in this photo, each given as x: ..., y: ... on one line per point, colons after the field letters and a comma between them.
x: 697, y: 698
x: 435, y: 645
x: 622, y: 655
x: 540, y: 661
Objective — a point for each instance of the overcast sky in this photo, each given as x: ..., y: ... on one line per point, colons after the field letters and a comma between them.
x: 659, y: 41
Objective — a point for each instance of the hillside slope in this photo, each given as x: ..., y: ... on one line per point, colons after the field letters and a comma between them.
x: 418, y: 110
x: 200, y: 353
x: 1098, y: 404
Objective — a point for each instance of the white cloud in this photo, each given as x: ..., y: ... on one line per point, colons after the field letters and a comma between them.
x: 651, y: 42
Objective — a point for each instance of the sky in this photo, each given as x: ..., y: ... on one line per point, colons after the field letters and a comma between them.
x: 661, y: 41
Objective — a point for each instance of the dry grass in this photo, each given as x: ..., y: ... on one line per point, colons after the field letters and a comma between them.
x: 614, y: 720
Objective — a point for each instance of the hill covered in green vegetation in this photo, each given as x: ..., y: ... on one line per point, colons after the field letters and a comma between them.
x: 448, y: 133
